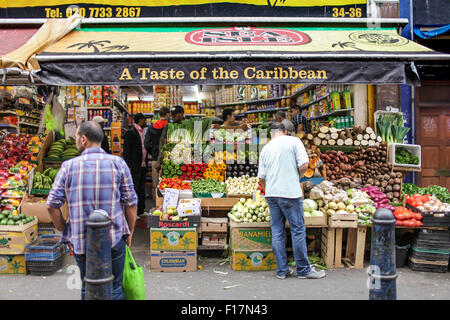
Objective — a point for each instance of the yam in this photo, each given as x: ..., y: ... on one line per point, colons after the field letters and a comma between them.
x: 388, y: 188
x: 317, y: 141
x: 322, y: 135
x: 324, y: 142
x: 348, y: 141
x: 369, y: 130
x: 340, y: 142
x: 324, y: 129
x: 359, y: 137
x: 334, y: 135
x: 331, y: 142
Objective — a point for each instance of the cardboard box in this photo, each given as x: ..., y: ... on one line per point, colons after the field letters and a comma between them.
x: 189, y: 207
x: 214, y: 239
x: 156, y: 222
x: 184, y: 239
x: 214, y: 224
x: 248, y: 238
x: 13, y: 264
x: 253, y: 260
x: 173, y: 261
x: 13, y: 242
x: 37, y: 206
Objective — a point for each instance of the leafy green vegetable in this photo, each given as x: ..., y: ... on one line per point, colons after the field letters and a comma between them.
x: 439, y: 192
x: 207, y: 185
x: 403, y: 156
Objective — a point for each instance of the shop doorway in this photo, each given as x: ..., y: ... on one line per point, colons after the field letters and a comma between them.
x: 433, y: 132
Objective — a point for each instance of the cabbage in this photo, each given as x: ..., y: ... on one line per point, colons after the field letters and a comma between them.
x: 309, y: 205
x: 317, y: 213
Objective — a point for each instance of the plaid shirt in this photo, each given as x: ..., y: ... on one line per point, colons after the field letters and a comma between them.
x: 94, y: 180
x: 301, y: 119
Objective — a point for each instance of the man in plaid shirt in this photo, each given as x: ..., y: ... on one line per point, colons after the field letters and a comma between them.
x: 300, y: 121
x: 95, y: 180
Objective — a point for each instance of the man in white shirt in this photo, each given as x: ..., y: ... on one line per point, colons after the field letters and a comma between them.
x: 282, y: 163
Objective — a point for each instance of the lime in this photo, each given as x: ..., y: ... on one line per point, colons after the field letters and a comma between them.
x: 4, y: 221
x: 18, y: 222
x: 21, y: 216
x: 11, y: 222
x: 2, y: 216
x: 24, y: 221
x: 5, y: 212
x: 15, y: 217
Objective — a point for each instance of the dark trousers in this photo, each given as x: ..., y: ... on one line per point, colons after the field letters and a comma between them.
x: 117, y: 263
x: 139, y: 178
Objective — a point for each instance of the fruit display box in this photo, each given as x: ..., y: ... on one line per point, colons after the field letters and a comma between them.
x: 13, y: 264
x: 154, y: 221
x: 14, y: 238
x: 253, y: 260
x: 250, y: 236
x: 173, y: 261
x: 173, y: 239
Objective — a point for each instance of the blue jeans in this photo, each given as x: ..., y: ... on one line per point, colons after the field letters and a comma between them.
x: 292, y: 210
x: 117, y: 263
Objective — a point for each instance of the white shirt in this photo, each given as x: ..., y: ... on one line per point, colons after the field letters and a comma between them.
x: 278, y: 166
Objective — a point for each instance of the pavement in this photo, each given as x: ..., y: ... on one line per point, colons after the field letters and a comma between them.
x: 217, y: 281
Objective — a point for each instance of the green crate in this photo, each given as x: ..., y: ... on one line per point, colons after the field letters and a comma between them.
x: 39, y: 191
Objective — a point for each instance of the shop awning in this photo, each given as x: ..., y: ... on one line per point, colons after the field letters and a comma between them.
x: 231, y: 55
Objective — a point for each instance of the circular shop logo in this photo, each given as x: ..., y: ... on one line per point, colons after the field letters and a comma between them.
x: 378, y: 38
x: 256, y: 258
x: 173, y: 238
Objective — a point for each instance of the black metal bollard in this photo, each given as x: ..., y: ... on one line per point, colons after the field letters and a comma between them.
x: 382, y: 281
x: 99, y: 275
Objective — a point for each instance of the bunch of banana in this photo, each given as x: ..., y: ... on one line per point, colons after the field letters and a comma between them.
x: 45, y: 179
x: 63, y: 149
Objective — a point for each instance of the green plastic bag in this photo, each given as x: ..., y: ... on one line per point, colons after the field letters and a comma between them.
x: 133, y: 278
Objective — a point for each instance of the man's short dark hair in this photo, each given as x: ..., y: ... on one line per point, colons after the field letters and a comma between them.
x: 92, y: 131
x: 277, y: 126
x: 282, y: 114
x: 226, y: 113
x: 137, y: 117
x: 176, y: 110
x: 163, y: 111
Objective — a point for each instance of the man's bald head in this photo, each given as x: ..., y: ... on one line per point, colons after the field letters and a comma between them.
x: 92, y: 131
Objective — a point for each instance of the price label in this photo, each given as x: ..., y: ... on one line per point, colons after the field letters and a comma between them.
x: 170, y: 198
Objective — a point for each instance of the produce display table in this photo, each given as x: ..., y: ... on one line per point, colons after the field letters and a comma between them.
x: 210, y: 204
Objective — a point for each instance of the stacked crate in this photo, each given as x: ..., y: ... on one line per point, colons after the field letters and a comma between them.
x: 13, y: 240
x: 45, y: 256
x: 251, y: 247
x: 173, y: 249
x: 430, y: 251
x: 214, y: 232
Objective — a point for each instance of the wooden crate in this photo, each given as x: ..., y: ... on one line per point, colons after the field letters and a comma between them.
x: 331, y: 247
x: 355, y: 249
x: 349, y: 220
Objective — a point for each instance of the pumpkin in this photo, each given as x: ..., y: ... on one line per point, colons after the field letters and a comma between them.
x: 309, y: 173
x: 313, y: 162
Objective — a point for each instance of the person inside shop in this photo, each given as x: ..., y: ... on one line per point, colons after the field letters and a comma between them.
x: 280, y: 116
x: 230, y: 123
x: 177, y: 113
x: 300, y: 121
x: 105, y: 143
x: 282, y: 163
x: 151, y: 143
x: 135, y: 155
x: 106, y: 185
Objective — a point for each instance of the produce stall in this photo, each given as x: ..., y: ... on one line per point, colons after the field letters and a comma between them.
x: 353, y: 169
